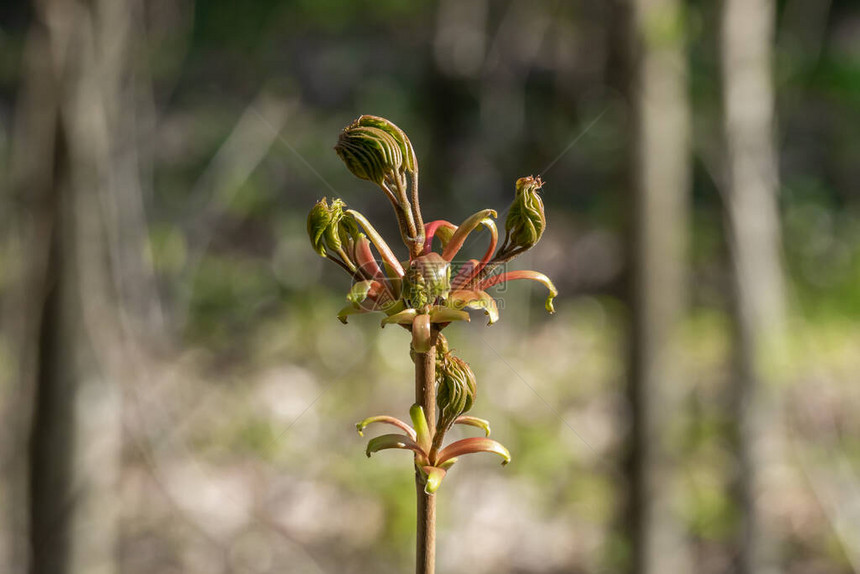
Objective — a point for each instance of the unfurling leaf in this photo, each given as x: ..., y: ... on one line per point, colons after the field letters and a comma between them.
x: 318, y: 221
x: 427, y: 278
x: 440, y: 228
x: 433, y: 480
x: 410, y: 162
x: 532, y: 275
x: 526, y: 220
x: 373, y: 148
x: 330, y: 230
x: 364, y: 297
x: 475, y: 299
x: 455, y: 390
x: 439, y: 314
x: 388, y: 441
x: 369, y: 153
x: 483, y: 217
x: 419, y: 423
x: 360, y: 426
x: 475, y: 422
x: 471, y: 445
x: 359, y: 292
x: 388, y: 257
x: 404, y: 317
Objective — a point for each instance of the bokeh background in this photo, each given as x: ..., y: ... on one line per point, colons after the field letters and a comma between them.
x: 178, y: 397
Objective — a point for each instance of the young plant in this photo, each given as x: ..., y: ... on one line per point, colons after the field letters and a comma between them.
x: 423, y: 294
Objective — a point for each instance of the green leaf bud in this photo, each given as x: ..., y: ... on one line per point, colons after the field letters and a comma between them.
x: 319, y: 219
x: 455, y: 392
x: 433, y: 478
x: 409, y: 160
x: 427, y: 278
x: 324, y: 224
x: 330, y: 228
x: 526, y: 220
x: 372, y: 148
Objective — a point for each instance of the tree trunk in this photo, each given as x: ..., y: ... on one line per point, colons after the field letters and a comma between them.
x: 751, y: 182
x: 660, y: 174
x: 77, y: 246
x: 29, y: 219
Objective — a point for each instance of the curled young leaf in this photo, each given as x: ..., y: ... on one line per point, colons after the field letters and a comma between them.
x: 439, y: 314
x: 360, y: 426
x: 440, y: 228
x: 369, y: 153
x: 475, y: 422
x: 405, y: 317
x: 421, y: 333
x: 475, y: 299
x: 329, y: 231
x: 348, y: 310
x: 455, y: 390
x: 433, y: 480
x: 361, y: 290
x: 382, y: 247
x: 515, y: 275
x: 388, y: 441
x: 472, y: 445
x: 419, y: 423
x: 526, y: 221
x: 410, y: 162
x: 426, y: 278
x: 319, y: 219
x: 363, y: 297
x: 482, y: 217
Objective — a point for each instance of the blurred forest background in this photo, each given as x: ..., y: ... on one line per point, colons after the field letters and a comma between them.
x: 176, y: 394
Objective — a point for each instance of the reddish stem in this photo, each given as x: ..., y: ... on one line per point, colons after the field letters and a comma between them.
x: 368, y: 266
x: 465, y: 274
x: 430, y: 231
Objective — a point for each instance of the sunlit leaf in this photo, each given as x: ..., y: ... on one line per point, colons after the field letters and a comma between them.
x: 422, y: 429
x: 434, y: 478
x: 475, y: 299
x: 389, y: 441
x: 360, y: 426
x: 481, y: 218
x: 475, y: 422
x: 439, y: 314
x: 514, y: 275
x: 421, y: 333
x: 351, y: 309
x: 382, y: 247
x: 404, y: 317
x: 472, y: 445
